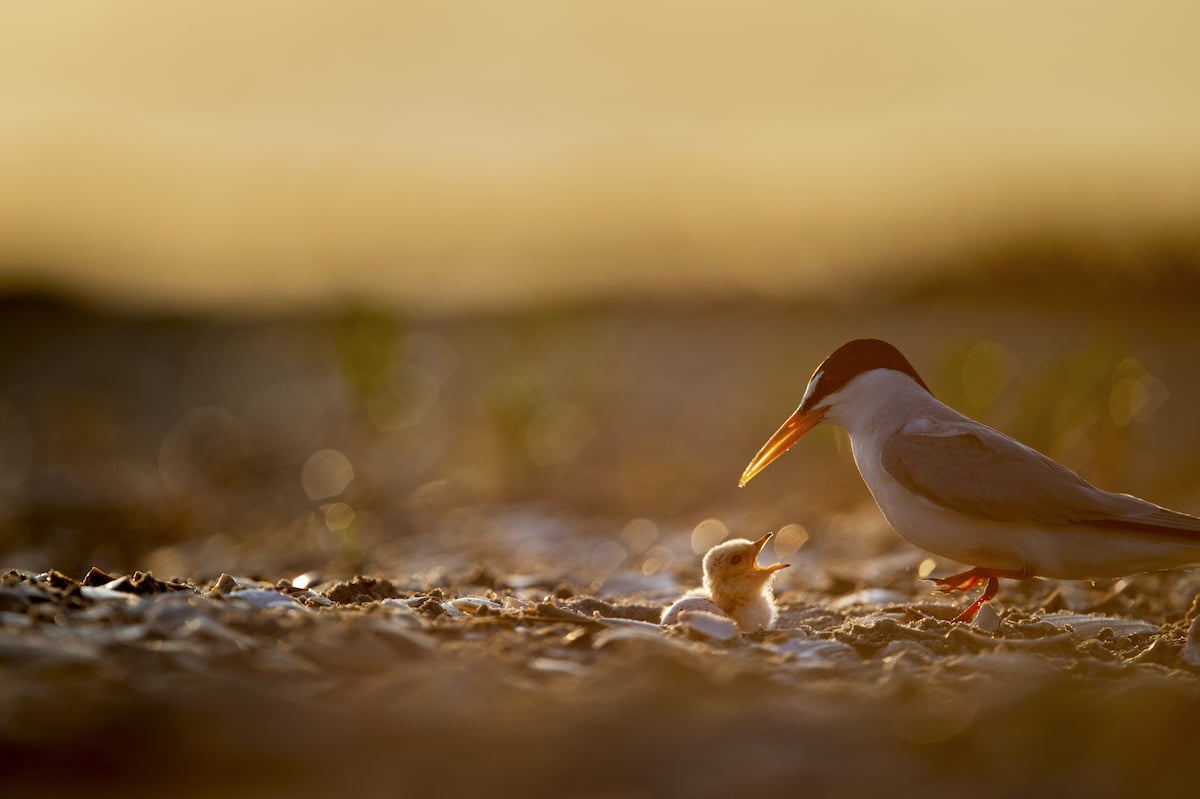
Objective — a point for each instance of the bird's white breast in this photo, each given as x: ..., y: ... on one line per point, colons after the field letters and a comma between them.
x: 929, y: 526
x: 879, y: 404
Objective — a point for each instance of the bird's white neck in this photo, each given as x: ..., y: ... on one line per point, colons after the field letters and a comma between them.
x: 879, y: 402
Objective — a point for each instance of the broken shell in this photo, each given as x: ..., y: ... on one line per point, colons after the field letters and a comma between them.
x: 558, y: 666
x: 870, y: 596
x: 818, y: 649
x: 709, y: 625
x: 451, y: 610
x: 1088, y: 625
x: 516, y: 603
x: 987, y: 619
x: 688, y: 604
x: 99, y: 593
x: 471, y: 605
x: 261, y: 598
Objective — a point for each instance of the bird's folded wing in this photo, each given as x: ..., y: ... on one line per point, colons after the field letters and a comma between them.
x: 1153, y: 519
x: 979, y: 472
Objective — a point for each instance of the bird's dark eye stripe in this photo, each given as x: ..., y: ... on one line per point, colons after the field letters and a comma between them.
x: 824, y: 387
x: 852, y: 359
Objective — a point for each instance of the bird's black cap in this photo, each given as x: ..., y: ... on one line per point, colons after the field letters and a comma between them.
x: 851, y: 360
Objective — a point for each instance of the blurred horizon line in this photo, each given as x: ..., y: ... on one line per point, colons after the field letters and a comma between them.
x: 451, y: 240
x: 1037, y: 266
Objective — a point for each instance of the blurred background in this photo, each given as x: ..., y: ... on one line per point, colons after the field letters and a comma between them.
x: 368, y: 286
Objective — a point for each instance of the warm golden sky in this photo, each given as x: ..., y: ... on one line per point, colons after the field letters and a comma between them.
x: 448, y: 153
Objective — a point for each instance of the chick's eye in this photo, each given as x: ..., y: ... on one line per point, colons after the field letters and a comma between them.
x: 736, y: 559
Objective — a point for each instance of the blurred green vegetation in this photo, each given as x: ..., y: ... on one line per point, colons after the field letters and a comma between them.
x: 327, y: 440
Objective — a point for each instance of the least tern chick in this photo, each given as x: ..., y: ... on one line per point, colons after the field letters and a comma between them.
x: 734, y: 586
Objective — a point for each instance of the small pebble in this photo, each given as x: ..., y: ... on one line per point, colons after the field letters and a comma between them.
x: 224, y: 584
x: 97, y: 577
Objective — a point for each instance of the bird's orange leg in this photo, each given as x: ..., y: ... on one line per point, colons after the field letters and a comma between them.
x: 965, y: 581
x: 968, y: 615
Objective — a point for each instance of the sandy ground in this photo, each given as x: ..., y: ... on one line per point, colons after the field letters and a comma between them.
x: 486, y: 684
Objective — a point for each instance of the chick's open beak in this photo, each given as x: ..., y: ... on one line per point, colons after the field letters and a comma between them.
x: 788, y: 434
x: 758, y: 548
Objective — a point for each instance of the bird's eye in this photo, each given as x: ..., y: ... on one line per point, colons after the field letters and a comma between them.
x: 736, y: 559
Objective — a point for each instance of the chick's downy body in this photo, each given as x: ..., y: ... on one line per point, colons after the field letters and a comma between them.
x: 735, y: 585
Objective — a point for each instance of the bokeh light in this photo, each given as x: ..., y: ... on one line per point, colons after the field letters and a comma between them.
x: 707, y: 534
x: 327, y: 474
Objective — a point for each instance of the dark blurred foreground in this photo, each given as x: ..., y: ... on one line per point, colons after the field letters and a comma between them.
x: 369, y: 687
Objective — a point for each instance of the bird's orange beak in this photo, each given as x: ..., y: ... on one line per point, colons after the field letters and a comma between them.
x: 788, y: 434
x: 758, y: 547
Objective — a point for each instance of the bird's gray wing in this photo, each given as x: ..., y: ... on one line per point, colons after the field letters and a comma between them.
x: 974, y: 470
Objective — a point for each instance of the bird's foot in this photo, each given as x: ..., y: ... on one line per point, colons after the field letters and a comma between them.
x: 965, y: 581
x: 968, y: 615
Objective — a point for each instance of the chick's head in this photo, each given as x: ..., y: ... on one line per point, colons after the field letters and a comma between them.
x: 732, y: 568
